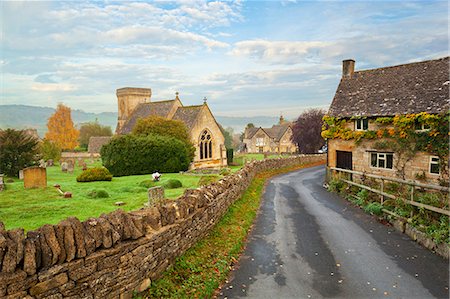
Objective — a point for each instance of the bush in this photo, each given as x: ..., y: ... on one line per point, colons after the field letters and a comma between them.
x: 95, y: 174
x: 133, y: 189
x: 131, y: 155
x: 230, y: 155
x: 207, y: 179
x: 49, y: 150
x: 172, y: 184
x: 100, y: 193
x: 336, y: 185
x: 147, y: 184
x: 374, y: 208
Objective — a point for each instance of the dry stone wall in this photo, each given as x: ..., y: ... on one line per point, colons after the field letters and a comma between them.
x: 118, y: 253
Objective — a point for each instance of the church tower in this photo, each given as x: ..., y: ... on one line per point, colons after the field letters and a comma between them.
x: 128, y: 99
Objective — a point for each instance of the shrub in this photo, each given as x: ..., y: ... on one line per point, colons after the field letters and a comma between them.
x: 130, y: 155
x: 172, y: 184
x: 225, y: 171
x: 207, y: 179
x: 133, y: 189
x: 374, y: 208
x: 230, y: 155
x: 49, y: 150
x: 100, y: 193
x: 336, y: 185
x: 147, y: 184
x: 95, y: 174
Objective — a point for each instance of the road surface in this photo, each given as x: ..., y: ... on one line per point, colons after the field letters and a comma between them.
x: 309, y: 243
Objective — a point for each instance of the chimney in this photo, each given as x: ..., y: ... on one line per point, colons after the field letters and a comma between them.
x: 348, y: 68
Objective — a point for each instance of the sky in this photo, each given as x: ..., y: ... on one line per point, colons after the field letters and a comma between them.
x: 248, y: 58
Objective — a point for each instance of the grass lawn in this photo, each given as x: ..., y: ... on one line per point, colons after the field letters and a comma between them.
x: 32, y: 208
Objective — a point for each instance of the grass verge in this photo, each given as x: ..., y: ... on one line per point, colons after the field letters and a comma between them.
x: 205, y: 266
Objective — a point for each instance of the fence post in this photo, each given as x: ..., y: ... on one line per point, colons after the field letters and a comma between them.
x: 382, y: 190
x: 412, y: 199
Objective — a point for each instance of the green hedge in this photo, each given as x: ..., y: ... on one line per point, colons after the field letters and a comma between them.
x: 95, y: 174
x: 131, y: 155
x: 172, y: 184
x: 230, y: 155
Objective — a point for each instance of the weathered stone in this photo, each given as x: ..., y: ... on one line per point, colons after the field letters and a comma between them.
x: 2, y: 246
x: 69, y: 240
x: 22, y: 285
x: 35, y: 177
x: 443, y: 250
x: 131, y: 229
x: 44, y: 286
x: 137, y: 221
x: 50, y: 162
x: 93, y: 229
x: 49, y: 273
x: 10, y: 258
x: 155, y: 195
x: 106, y: 229
x: 399, y: 225
x: 64, y: 166
x: 19, y: 295
x: 8, y: 278
x: 18, y: 236
x: 145, y: 284
x: 29, y: 261
x: 59, y: 232
x: 35, y: 237
x: 52, y: 242
x: 82, y: 272
x: 78, y: 232
x: 117, y: 221
x: 2, y: 227
x: 46, y: 251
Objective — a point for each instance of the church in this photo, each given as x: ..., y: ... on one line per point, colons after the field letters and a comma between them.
x: 206, y: 136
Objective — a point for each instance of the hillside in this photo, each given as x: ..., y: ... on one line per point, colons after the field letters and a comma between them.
x: 23, y: 116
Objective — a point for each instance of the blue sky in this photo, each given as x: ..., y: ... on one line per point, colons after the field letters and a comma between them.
x: 248, y: 58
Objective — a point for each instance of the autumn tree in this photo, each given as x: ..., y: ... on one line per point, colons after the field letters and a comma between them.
x: 307, y: 131
x: 90, y: 129
x: 61, y: 130
x: 17, y: 151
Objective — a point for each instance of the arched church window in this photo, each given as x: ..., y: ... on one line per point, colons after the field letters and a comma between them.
x: 205, y: 145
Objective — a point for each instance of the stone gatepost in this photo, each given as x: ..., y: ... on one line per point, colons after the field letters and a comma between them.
x: 2, y: 183
x: 155, y: 195
x: 34, y: 177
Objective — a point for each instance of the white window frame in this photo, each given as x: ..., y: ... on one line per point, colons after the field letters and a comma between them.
x: 423, y: 128
x: 434, y: 163
x: 359, y: 124
x: 260, y: 141
x: 381, y: 156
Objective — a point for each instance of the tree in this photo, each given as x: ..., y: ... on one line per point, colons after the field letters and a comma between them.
x: 248, y: 126
x: 49, y: 150
x: 228, y: 135
x: 155, y: 125
x: 61, y: 130
x: 17, y: 151
x: 87, y: 130
x: 306, y: 132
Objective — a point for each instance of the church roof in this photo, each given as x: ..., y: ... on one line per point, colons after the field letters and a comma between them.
x: 402, y: 89
x: 96, y: 143
x: 143, y: 110
x: 188, y: 115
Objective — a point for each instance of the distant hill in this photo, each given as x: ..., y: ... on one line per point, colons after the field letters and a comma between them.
x: 23, y: 116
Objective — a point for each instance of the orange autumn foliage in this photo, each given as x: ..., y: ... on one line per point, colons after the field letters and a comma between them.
x: 61, y: 130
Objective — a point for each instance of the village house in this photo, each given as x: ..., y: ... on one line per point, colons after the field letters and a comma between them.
x: 208, y: 140
x: 275, y: 140
x: 378, y: 118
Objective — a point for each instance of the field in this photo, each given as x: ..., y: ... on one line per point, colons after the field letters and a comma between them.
x: 31, y: 208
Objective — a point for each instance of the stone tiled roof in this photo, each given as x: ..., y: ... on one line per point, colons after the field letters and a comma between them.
x: 188, y: 115
x: 161, y: 108
x: 96, y: 143
x: 250, y: 132
x: 277, y: 131
x: 408, y: 88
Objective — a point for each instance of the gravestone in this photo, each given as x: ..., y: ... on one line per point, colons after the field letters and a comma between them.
x: 50, y: 162
x: 2, y: 183
x: 80, y: 162
x: 155, y: 195
x: 84, y: 166
x: 42, y: 163
x: 21, y: 174
x: 64, y: 166
x: 35, y: 177
x: 70, y: 166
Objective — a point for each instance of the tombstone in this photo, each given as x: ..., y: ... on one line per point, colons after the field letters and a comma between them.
x: 21, y: 174
x: 50, y: 162
x: 84, y: 166
x: 70, y: 166
x: 35, y: 177
x: 80, y: 162
x: 64, y: 166
x: 42, y: 163
x: 2, y: 184
x: 155, y: 195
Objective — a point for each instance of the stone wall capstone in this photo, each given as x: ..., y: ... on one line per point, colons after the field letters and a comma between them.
x: 118, y: 253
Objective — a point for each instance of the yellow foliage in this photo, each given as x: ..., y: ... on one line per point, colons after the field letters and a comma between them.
x: 61, y: 130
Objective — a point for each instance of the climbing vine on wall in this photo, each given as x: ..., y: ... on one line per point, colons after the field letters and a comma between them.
x: 404, y: 134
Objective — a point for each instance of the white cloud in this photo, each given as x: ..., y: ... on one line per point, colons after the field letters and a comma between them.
x: 38, y: 86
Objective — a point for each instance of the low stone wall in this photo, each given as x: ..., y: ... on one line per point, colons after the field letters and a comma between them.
x: 118, y: 253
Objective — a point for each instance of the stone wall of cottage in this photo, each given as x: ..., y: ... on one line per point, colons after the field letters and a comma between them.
x: 118, y: 253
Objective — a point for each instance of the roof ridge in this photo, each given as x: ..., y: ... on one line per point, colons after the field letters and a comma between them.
x: 401, y: 65
x: 164, y: 101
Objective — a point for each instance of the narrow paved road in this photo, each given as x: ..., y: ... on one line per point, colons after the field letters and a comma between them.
x: 308, y: 243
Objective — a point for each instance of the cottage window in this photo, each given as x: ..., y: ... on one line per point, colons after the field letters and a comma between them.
x: 381, y: 160
x: 260, y: 141
x: 361, y: 124
x: 205, y: 145
x: 420, y: 127
x: 434, y: 165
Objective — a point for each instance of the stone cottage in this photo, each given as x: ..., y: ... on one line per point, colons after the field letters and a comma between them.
x: 209, y: 142
x: 276, y: 139
x: 372, y: 108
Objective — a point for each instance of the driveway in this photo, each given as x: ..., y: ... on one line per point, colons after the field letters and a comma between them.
x: 309, y: 243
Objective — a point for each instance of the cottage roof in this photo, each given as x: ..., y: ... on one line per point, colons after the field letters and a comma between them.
x: 250, y: 132
x: 96, y: 143
x: 143, y: 110
x: 188, y: 115
x: 402, y: 89
x: 277, y: 131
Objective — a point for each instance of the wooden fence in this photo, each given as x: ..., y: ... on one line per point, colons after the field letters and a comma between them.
x: 383, y: 194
